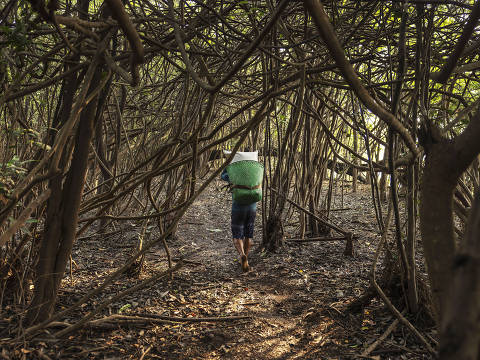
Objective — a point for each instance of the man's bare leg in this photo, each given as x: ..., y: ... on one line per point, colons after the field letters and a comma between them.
x: 247, y: 244
x: 238, y: 243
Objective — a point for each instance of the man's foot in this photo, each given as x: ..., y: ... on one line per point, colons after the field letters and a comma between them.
x: 244, y: 261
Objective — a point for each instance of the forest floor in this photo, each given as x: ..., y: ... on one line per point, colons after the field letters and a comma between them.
x: 294, y: 302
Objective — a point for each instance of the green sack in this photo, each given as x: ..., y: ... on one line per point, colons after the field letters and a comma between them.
x: 246, y: 177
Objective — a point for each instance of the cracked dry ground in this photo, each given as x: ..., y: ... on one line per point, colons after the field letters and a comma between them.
x: 296, y: 299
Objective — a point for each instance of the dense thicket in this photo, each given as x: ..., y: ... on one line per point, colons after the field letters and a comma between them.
x: 111, y: 113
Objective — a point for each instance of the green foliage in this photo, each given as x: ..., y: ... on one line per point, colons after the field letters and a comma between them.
x: 14, y: 167
x: 124, y: 308
x: 16, y: 37
x: 10, y: 172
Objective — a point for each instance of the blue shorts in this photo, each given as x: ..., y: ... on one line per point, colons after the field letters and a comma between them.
x: 243, y: 221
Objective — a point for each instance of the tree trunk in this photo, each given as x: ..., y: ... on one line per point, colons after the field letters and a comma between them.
x: 460, y: 328
x: 62, y: 217
x: 436, y: 215
x: 383, y: 178
x: 445, y: 162
x: 355, y: 161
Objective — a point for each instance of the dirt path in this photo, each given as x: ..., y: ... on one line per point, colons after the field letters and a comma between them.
x: 295, y: 300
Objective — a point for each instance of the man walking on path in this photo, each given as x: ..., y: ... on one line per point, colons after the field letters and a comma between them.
x: 243, y: 223
x: 244, y: 207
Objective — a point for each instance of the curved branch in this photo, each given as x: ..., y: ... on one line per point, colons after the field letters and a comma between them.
x: 316, y: 10
x: 443, y: 75
x: 119, y: 14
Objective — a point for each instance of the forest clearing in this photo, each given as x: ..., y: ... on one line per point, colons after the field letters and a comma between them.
x: 209, y: 179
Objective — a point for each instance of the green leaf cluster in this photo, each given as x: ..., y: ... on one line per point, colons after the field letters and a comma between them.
x: 15, y: 36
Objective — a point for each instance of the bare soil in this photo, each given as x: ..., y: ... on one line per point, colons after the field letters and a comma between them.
x: 295, y: 301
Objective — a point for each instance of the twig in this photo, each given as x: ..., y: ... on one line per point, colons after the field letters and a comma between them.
x: 54, y: 324
x: 307, y: 240
x: 435, y: 341
x: 41, y: 355
x: 120, y: 295
x: 377, y: 342
x: 145, y: 352
x: 88, y: 351
x: 18, y: 223
x: 107, y: 234
x: 319, y: 219
x: 125, y: 319
x: 113, y: 321
x: 193, y: 319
